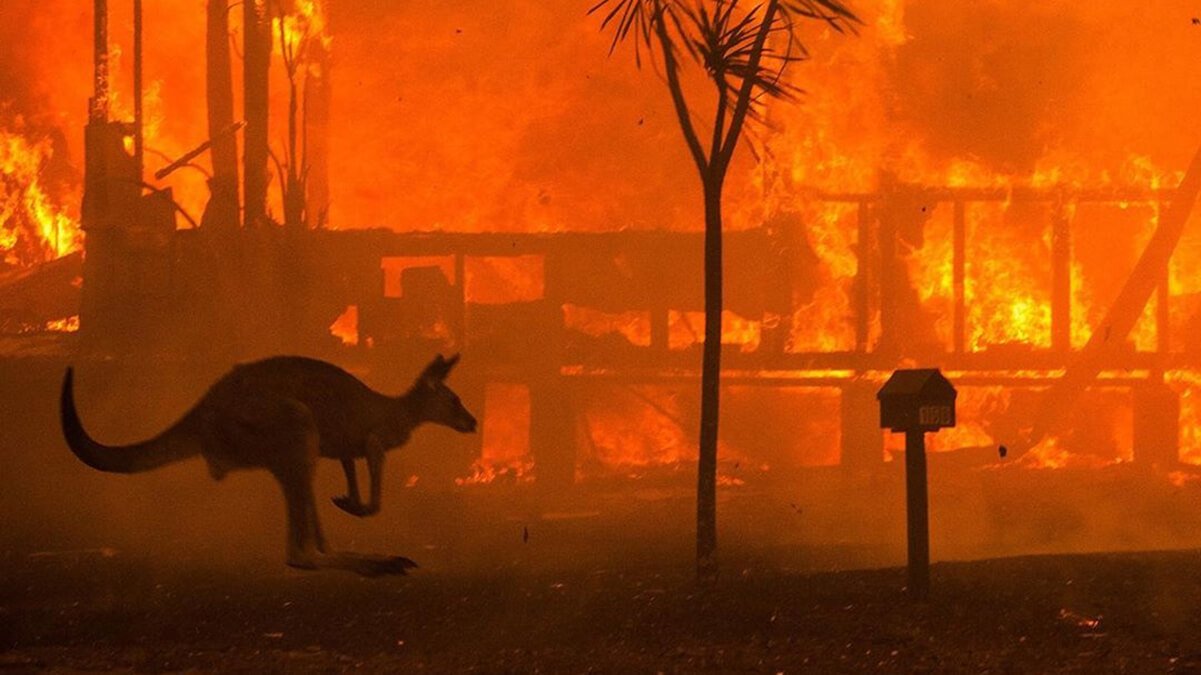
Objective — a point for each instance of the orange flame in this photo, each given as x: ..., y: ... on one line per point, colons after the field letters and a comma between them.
x: 33, y: 227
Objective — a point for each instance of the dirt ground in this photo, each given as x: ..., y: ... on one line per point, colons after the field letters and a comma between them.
x: 102, y: 609
x: 171, y: 571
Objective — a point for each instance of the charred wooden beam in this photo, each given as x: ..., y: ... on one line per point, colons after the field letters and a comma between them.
x: 139, y: 140
x: 1061, y: 279
x: 1163, y: 304
x: 98, y: 108
x: 1017, y: 193
x: 188, y: 156
x: 959, y: 274
x: 255, y: 79
x: 863, y: 278
x: 222, y: 211
x: 1126, y: 310
x: 318, y: 98
x: 891, y: 279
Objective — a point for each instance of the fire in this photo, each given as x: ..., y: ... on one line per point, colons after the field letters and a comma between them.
x: 685, y: 329
x: 346, y: 326
x: 67, y: 325
x: 34, y: 227
x: 1188, y: 385
x: 633, y: 326
x: 1051, y: 453
x: 440, y: 122
x: 506, y: 443
x: 305, y: 24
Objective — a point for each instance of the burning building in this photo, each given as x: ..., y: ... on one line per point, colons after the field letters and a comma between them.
x: 954, y: 189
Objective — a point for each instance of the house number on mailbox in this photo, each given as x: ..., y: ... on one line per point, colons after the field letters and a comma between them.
x: 934, y: 415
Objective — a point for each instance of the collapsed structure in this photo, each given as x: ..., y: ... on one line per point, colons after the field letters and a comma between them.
x: 548, y: 313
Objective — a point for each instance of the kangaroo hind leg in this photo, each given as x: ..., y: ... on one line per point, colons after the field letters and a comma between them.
x: 294, y: 460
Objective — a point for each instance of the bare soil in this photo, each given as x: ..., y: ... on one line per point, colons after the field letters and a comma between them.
x: 102, y: 610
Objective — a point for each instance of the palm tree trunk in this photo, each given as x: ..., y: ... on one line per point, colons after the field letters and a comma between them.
x: 706, y: 480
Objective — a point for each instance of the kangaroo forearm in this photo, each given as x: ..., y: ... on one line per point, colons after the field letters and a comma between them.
x: 352, y: 480
x: 375, y: 465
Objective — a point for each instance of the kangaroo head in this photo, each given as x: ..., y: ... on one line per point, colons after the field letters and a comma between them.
x: 436, y: 402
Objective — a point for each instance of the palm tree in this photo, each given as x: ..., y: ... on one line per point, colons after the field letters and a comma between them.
x: 743, y: 47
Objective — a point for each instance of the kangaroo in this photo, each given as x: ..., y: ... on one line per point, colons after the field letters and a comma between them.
x: 281, y: 414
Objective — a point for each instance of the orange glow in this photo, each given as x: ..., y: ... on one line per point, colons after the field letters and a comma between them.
x: 506, y: 443
x: 499, y: 280
x: 34, y: 227
x: 634, y: 326
x: 439, y: 122
x: 686, y: 329
x: 346, y: 326
x: 67, y: 325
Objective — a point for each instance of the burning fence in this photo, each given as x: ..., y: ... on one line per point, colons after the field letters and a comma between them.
x: 914, y: 208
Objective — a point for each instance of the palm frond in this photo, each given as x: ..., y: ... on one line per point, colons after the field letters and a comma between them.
x: 833, y: 12
x: 639, y: 19
x: 723, y: 42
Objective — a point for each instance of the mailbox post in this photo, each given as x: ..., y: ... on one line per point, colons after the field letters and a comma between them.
x: 915, y: 402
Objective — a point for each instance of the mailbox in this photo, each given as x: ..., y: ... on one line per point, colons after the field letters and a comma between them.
x: 917, y: 400
x: 914, y: 402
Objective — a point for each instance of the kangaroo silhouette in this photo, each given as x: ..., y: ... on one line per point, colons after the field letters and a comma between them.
x: 281, y: 414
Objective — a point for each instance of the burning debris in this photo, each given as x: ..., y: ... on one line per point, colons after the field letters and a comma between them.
x: 35, y: 225
x: 559, y: 244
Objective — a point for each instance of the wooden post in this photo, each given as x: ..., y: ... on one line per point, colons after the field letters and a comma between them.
x: 256, y: 64
x: 863, y: 280
x: 959, y: 273
x: 318, y: 93
x: 1061, y: 280
x: 139, y: 128
x: 99, y: 103
x: 1163, y: 302
x: 889, y: 283
x: 223, y: 211
x: 917, y: 507
x: 660, y: 334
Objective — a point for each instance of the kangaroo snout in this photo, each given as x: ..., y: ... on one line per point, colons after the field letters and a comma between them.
x: 467, y: 424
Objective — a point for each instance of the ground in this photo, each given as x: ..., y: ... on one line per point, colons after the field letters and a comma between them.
x: 85, y: 610
x: 171, y: 570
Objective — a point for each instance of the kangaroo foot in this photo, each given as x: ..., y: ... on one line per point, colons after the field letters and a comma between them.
x: 302, y: 562
x: 354, y: 507
x: 368, y: 565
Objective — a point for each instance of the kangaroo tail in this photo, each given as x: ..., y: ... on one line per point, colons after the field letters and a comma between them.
x: 151, y: 454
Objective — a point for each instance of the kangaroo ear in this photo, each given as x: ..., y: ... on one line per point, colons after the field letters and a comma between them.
x: 433, y: 371
x: 438, y: 369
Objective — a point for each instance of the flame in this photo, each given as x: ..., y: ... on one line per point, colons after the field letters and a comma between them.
x: 1180, y: 478
x: 33, y: 227
x: 67, y: 325
x: 686, y: 329
x: 506, y: 433
x: 1188, y: 385
x: 305, y: 25
x: 929, y: 95
x: 1051, y: 453
x: 634, y: 326
x: 346, y: 326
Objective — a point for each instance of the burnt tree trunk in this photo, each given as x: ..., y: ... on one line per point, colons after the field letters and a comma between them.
x: 222, y: 211
x: 256, y: 69
x: 318, y: 93
x: 706, y: 482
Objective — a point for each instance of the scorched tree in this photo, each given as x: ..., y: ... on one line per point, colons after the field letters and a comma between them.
x: 743, y: 48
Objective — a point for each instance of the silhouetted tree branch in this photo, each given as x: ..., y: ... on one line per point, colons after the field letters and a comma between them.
x: 744, y: 48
